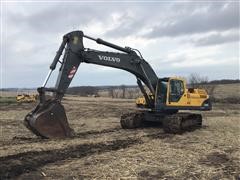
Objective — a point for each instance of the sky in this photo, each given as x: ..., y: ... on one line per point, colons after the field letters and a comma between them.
x: 176, y: 38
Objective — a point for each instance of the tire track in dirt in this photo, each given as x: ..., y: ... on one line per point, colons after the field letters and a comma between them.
x: 15, y: 165
x: 17, y: 140
x: 222, y: 161
x: 94, y: 132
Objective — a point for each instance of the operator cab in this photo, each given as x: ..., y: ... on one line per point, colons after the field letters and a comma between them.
x: 172, y: 94
x: 168, y: 90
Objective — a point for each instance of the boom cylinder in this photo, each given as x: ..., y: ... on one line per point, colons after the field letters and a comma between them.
x: 114, y: 46
x: 100, y: 41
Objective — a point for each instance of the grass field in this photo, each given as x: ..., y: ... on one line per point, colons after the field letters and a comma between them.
x: 7, y: 100
x: 102, y: 150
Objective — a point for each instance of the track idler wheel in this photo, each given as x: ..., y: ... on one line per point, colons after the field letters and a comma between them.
x: 132, y: 120
x: 49, y: 120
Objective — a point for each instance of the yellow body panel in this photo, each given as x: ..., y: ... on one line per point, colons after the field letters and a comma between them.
x: 190, y: 98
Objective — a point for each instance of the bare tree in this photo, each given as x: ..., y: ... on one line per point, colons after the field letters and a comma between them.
x: 210, y: 89
x: 134, y: 93
x: 131, y: 93
x: 116, y: 93
x: 197, y: 81
x: 123, y: 88
x: 83, y: 90
x: 110, y: 91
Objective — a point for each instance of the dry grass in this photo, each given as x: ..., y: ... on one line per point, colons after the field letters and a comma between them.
x: 102, y: 150
x: 7, y: 100
x: 227, y: 90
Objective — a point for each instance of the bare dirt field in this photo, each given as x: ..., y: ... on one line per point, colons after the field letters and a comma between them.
x: 102, y: 150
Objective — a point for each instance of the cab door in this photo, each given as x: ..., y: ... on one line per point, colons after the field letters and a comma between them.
x: 161, y: 93
x: 176, y: 92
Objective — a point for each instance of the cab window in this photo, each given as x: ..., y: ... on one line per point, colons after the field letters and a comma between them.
x: 176, y: 90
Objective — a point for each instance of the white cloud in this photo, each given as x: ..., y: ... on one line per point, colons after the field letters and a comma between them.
x: 197, y: 63
x: 175, y: 38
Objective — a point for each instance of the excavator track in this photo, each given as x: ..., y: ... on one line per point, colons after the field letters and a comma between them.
x: 181, y: 122
x: 172, y: 123
x: 132, y: 120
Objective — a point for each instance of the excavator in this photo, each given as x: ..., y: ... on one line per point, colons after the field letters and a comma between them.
x: 168, y: 95
x: 26, y: 98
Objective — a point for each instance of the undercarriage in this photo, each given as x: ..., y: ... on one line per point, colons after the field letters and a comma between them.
x: 172, y: 123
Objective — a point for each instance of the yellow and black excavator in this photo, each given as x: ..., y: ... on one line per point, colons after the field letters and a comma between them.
x: 168, y: 95
x: 26, y: 98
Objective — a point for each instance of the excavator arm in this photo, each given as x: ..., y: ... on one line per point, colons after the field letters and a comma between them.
x: 75, y: 54
x: 48, y: 119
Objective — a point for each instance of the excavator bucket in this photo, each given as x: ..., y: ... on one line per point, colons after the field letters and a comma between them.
x: 49, y: 120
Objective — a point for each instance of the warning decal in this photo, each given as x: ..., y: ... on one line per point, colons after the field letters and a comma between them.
x: 72, y: 72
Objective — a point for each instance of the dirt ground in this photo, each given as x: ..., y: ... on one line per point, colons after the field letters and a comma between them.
x: 102, y: 150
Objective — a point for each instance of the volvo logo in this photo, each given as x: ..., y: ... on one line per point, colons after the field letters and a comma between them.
x: 108, y: 58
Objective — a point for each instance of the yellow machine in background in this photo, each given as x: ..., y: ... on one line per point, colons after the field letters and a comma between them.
x: 25, y: 98
x: 178, y: 95
x: 141, y: 102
